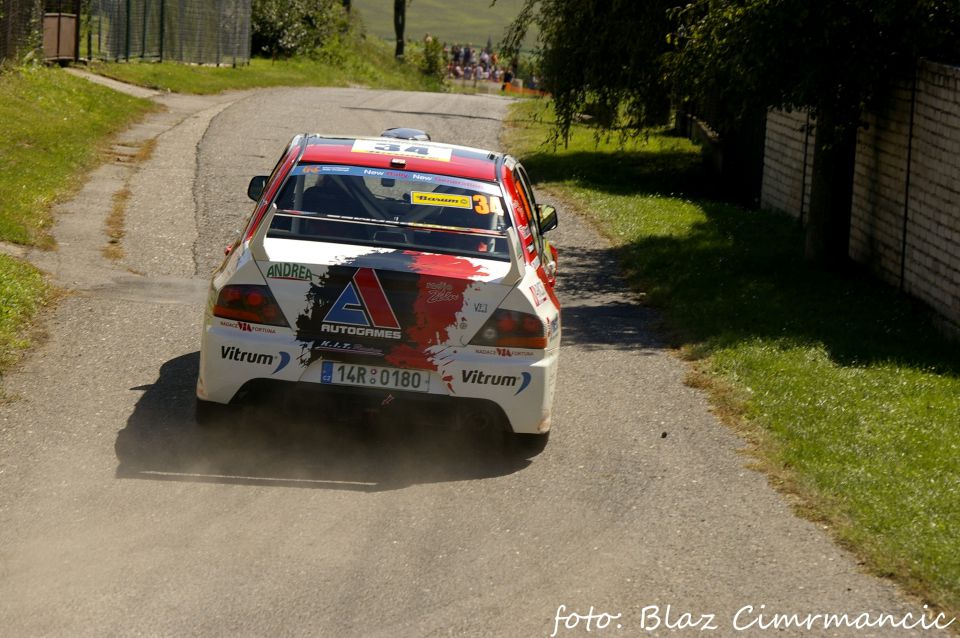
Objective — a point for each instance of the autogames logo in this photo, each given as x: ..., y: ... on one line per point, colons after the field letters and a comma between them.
x: 362, y: 309
x: 503, y: 380
x: 233, y: 353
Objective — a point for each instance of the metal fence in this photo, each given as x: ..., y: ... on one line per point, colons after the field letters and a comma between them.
x: 20, y: 28
x: 197, y: 31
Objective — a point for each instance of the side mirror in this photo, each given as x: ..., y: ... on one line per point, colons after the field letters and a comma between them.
x: 548, y: 217
x: 256, y: 186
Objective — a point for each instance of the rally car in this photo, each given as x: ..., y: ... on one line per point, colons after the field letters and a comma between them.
x: 393, y: 267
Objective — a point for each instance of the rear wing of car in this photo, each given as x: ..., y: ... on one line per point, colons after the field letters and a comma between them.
x: 257, y: 248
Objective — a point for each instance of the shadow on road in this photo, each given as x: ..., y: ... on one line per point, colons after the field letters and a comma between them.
x: 598, y: 313
x: 317, y: 445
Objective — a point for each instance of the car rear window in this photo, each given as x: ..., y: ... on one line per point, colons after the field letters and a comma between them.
x: 394, y: 209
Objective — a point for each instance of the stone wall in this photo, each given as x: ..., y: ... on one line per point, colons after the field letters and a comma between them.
x: 906, y: 193
x: 789, y: 141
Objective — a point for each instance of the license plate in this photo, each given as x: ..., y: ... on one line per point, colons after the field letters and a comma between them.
x: 374, y: 377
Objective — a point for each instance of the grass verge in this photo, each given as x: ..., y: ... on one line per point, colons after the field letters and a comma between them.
x: 366, y: 62
x: 848, y: 393
x: 23, y: 292
x: 52, y: 127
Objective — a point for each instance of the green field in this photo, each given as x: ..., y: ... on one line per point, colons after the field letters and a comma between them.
x: 465, y: 21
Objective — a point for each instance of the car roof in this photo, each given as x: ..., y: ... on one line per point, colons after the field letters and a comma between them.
x: 443, y: 159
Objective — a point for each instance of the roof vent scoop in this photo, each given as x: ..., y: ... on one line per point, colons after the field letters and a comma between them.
x: 406, y: 134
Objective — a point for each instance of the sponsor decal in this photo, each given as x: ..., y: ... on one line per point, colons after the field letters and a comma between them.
x: 503, y: 352
x: 243, y: 326
x: 524, y: 231
x: 539, y: 293
x: 387, y: 311
x: 553, y: 327
x: 315, y: 170
x: 440, y: 291
x: 403, y: 149
x: 233, y: 353
x: 332, y: 345
x: 362, y: 309
x: 289, y: 271
x: 476, y: 377
x: 440, y: 199
x: 480, y: 307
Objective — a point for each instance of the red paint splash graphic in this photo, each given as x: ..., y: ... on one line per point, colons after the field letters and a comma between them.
x: 443, y: 280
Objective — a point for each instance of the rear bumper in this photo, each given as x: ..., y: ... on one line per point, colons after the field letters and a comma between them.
x: 519, y: 383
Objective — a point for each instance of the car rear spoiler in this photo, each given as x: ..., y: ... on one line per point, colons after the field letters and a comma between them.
x: 256, y: 242
x: 514, y: 247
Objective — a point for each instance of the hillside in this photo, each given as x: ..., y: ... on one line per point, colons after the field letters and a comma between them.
x: 464, y: 21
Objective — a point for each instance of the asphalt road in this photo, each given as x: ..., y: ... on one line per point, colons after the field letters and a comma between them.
x: 119, y: 517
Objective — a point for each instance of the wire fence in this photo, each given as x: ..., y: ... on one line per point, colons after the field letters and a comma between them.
x: 194, y: 31
x: 20, y: 28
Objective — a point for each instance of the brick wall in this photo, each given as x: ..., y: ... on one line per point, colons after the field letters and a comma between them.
x: 789, y: 140
x: 905, y: 220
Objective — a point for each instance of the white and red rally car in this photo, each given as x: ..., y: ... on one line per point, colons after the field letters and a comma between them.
x: 397, y: 268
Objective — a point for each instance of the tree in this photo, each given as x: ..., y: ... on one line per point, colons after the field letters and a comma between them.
x: 400, y: 23
x: 602, y: 56
x: 283, y: 28
x: 836, y: 58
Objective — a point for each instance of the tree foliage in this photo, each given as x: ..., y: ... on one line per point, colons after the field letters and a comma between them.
x: 284, y: 28
x: 841, y: 55
x: 604, y: 56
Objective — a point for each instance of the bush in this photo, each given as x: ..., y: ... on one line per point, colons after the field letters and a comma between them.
x: 434, y: 63
x: 284, y: 28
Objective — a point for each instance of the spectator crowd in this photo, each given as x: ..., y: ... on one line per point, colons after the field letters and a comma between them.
x: 478, y: 64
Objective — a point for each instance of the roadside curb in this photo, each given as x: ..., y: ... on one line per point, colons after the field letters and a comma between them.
x: 116, y: 85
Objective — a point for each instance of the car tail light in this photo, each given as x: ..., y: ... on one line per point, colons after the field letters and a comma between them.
x: 254, y: 304
x: 512, y: 329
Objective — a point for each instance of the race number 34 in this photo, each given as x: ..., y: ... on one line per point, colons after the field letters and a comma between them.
x: 487, y: 205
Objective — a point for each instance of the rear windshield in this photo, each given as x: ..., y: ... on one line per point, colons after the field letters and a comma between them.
x: 393, y: 209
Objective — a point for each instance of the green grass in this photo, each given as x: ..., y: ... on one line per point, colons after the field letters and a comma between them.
x: 23, y: 292
x: 851, y: 396
x: 369, y: 62
x: 52, y: 126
